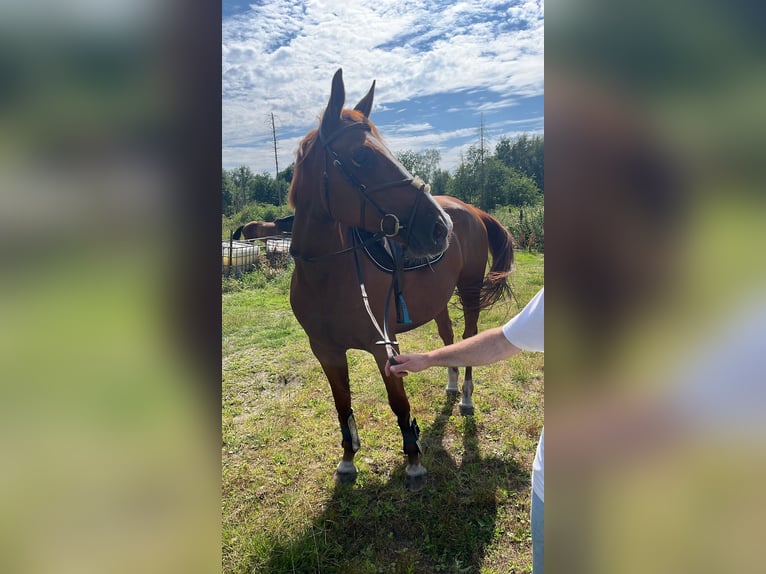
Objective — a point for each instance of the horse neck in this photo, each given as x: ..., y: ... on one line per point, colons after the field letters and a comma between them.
x: 315, y: 232
x: 314, y: 235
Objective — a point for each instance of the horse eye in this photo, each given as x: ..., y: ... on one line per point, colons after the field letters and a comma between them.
x: 361, y: 156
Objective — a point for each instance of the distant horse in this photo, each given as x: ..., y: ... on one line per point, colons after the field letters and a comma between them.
x: 258, y: 229
x: 346, y: 179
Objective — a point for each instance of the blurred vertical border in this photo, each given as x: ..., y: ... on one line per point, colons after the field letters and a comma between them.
x: 656, y: 284
x: 109, y: 291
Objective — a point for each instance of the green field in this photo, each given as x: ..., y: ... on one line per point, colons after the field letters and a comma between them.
x: 282, y: 511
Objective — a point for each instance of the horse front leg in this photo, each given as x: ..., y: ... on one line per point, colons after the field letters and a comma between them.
x: 335, y: 367
x: 415, y: 473
x: 447, y: 336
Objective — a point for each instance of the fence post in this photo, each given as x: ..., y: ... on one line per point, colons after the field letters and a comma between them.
x: 231, y: 248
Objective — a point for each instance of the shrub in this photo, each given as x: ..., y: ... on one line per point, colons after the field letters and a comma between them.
x: 252, y: 212
x: 526, y: 224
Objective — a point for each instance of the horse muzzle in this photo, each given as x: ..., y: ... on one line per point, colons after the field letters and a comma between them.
x: 429, y: 235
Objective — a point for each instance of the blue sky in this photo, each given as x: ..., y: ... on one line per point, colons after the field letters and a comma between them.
x: 438, y: 66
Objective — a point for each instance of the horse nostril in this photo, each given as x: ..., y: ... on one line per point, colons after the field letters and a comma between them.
x: 440, y: 231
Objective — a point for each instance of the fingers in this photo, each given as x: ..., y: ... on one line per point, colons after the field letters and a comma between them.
x: 402, y: 365
x: 394, y: 367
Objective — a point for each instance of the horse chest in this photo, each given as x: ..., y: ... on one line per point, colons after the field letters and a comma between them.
x: 326, y: 307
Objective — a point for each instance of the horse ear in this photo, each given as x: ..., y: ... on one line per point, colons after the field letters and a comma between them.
x: 331, y: 116
x: 365, y: 104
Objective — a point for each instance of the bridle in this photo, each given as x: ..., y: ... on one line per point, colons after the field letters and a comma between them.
x: 390, y: 226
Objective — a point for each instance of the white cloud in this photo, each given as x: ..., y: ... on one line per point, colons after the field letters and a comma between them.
x: 280, y: 56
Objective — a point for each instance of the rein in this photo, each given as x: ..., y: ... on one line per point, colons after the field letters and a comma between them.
x: 401, y: 308
x: 384, y: 334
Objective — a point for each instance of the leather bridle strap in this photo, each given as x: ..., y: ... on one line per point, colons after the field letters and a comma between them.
x: 392, y: 346
x: 372, y: 239
x: 364, y: 191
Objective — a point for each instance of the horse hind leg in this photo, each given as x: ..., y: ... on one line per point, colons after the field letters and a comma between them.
x: 471, y: 318
x: 448, y: 337
x: 466, y: 396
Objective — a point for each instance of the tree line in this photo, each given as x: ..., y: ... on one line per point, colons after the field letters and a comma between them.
x: 511, y: 175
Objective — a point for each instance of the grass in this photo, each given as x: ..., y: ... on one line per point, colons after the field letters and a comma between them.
x: 282, y: 512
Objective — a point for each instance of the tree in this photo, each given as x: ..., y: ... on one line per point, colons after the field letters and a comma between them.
x: 520, y: 190
x: 495, y: 186
x: 263, y: 189
x: 283, y: 182
x: 486, y: 182
x: 440, y: 182
x: 424, y: 164
x: 465, y: 183
x: 478, y: 179
x: 228, y: 191
x: 242, y: 178
x: 526, y: 155
x: 287, y: 173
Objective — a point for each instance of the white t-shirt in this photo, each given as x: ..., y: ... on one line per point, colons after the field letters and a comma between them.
x: 527, y: 332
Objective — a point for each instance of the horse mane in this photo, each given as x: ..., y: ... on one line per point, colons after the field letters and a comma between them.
x: 306, y: 146
x: 301, y: 155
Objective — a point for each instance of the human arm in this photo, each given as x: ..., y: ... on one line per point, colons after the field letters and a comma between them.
x: 487, y: 347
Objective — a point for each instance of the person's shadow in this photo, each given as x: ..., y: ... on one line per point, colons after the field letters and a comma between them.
x: 445, y: 527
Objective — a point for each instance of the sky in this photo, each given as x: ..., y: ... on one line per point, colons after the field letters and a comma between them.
x: 439, y: 68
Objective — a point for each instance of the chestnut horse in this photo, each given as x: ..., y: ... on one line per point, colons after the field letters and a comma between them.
x: 346, y: 178
x: 258, y: 229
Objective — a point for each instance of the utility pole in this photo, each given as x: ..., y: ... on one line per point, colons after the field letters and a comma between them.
x: 276, y: 159
x: 482, y: 193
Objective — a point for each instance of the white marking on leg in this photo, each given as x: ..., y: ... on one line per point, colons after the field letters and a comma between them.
x: 415, y: 470
x: 415, y: 477
x: 466, y: 399
x: 452, y: 376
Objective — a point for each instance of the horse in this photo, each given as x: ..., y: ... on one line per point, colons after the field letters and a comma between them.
x: 346, y: 180
x: 259, y: 229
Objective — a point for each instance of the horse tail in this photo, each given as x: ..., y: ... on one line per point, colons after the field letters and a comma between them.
x: 496, y: 285
x: 238, y: 232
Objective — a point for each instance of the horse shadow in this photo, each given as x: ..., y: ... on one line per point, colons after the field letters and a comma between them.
x: 376, y: 525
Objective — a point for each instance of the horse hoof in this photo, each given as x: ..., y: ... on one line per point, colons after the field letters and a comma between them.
x: 466, y: 410
x: 415, y: 477
x: 345, y: 478
x: 414, y: 483
x: 346, y: 473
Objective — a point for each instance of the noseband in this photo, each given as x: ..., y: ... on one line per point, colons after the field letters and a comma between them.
x: 390, y: 226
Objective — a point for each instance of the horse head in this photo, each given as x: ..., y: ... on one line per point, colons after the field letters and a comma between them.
x: 362, y: 183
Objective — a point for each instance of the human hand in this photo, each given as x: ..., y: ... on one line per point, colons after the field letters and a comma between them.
x: 401, y: 365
